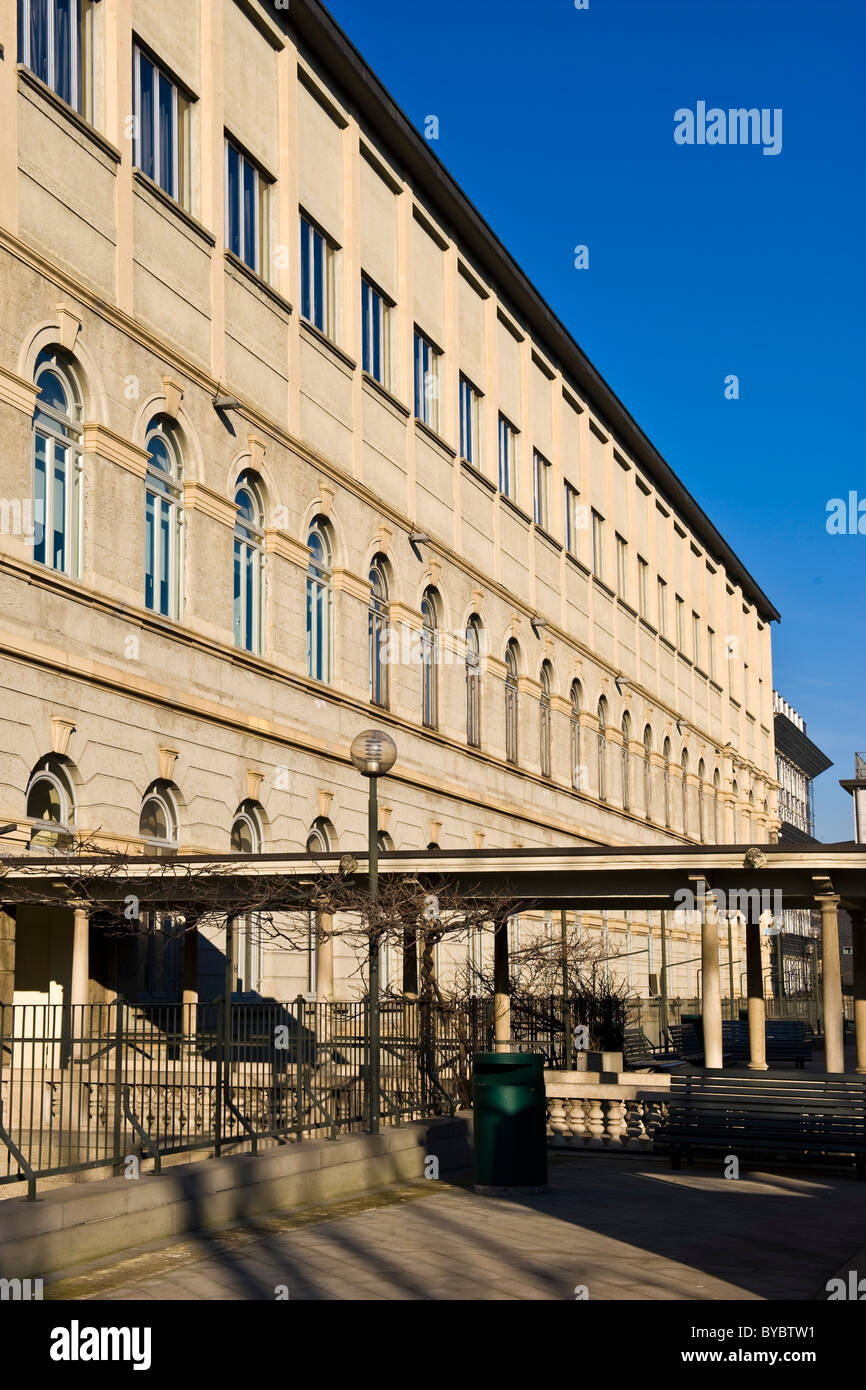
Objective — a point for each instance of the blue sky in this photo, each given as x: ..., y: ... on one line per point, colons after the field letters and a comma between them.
x: 703, y: 262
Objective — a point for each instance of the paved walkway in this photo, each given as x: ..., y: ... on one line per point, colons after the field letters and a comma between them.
x: 625, y: 1228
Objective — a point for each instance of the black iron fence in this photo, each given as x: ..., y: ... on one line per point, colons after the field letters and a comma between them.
x: 89, y: 1086
x: 653, y: 1018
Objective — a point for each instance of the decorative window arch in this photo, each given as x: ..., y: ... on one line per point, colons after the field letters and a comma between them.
x: 158, y: 822
x: 321, y: 839
x: 57, y: 464
x: 163, y: 518
x: 430, y: 659
x: 577, y: 779
x: 512, y: 732
x: 247, y: 836
x: 647, y: 772
x: 319, y: 601
x: 750, y: 814
x: 735, y: 791
x: 50, y: 804
x: 684, y: 768
x: 544, y: 732
x: 717, y: 807
x: 702, y: 772
x: 666, y: 754
x: 626, y: 760
x: 249, y: 564
x: 378, y: 632
x: 602, y: 749
x: 473, y: 681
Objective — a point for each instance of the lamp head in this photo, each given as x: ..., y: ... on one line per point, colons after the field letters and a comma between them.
x: 373, y: 753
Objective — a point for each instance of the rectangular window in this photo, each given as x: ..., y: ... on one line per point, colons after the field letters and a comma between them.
x: 696, y: 639
x: 541, y: 491
x: 507, y: 459
x: 681, y: 623
x: 622, y: 568
x: 161, y: 126
x: 572, y: 518
x: 711, y: 654
x: 643, y: 587
x: 426, y: 382
x: 375, y: 333
x: 597, y: 544
x: 246, y: 211
x: 663, y: 606
x: 470, y: 416
x: 55, y: 41
x: 318, y: 296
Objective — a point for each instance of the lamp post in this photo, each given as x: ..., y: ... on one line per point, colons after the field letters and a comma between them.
x: 373, y: 753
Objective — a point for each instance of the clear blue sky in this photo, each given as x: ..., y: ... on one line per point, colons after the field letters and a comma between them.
x: 704, y: 261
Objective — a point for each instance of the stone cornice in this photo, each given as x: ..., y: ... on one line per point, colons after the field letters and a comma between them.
x: 348, y: 583
x: 284, y: 545
x: 198, y: 498
x: 17, y: 392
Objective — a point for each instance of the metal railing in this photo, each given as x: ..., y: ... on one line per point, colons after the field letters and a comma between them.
x: 95, y: 1085
x: 646, y: 1014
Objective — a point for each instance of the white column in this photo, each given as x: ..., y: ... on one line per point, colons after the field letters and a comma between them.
x: 832, y: 972
x: 711, y: 988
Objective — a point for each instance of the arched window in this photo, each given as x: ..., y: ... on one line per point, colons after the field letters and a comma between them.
x: 544, y: 719
x: 717, y: 807
x: 702, y: 772
x: 247, y: 937
x: 50, y: 807
x: 249, y: 565
x: 735, y: 811
x: 247, y: 835
x: 319, y: 584
x: 473, y: 682
x: 750, y: 814
x: 647, y: 772
x: 162, y: 519
x: 626, y: 760
x: 577, y: 779
x: 57, y: 464
x: 511, y: 699
x: 158, y: 823
x: 684, y: 767
x: 429, y: 659
x: 378, y: 629
x: 321, y: 839
x: 666, y: 754
x: 602, y: 749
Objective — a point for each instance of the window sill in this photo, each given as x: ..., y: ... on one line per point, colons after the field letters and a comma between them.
x: 83, y: 126
x: 644, y: 622
x: 321, y: 340
x: 621, y: 603
x: 513, y: 507
x: 171, y: 205
x: 477, y: 476
x: 605, y: 588
x: 240, y: 268
x: 578, y: 564
x: 545, y: 535
x: 686, y: 660
x: 435, y: 438
x: 667, y: 641
x: 388, y: 396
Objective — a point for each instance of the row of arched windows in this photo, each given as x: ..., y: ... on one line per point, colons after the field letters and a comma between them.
x: 57, y: 468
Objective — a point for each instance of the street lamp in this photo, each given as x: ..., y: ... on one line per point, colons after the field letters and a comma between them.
x: 373, y: 753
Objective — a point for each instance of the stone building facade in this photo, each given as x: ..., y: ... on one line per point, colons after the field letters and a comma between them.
x: 279, y: 417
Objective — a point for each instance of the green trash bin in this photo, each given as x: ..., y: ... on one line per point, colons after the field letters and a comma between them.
x: 509, y: 1122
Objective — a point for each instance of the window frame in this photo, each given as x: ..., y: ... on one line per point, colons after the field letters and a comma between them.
x: 429, y: 660
x: 260, y: 208
x: 168, y: 491
x: 512, y: 703
x: 507, y: 458
x: 319, y: 598
x: 541, y: 473
x: 473, y: 681
x: 622, y: 567
x: 81, y: 52
x: 249, y: 567
x: 426, y: 367
x: 370, y: 294
x: 378, y: 633
x: 181, y: 120
x: 572, y: 503
x: 597, y: 545
x: 470, y: 422
x: 58, y: 431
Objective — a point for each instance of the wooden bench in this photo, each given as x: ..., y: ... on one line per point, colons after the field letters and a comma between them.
x: 788, y: 1044
x: 639, y: 1054
x: 742, y: 1113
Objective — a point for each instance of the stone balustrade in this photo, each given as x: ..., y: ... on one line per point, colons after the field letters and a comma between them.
x: 605, y: 1110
